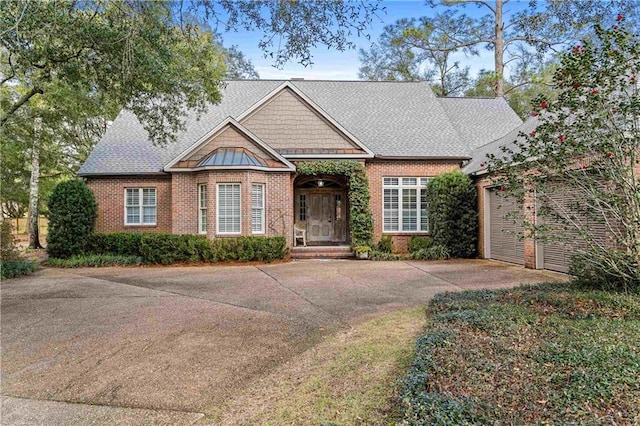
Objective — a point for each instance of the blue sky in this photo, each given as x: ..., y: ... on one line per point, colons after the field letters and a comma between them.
x: 335, y: 65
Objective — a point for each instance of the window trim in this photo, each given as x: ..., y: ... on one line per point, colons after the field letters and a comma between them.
x: 218, y: 232
x: 201, y: 209
x: 141, y: 205
x: 419, y: 187
x: 263, y: 216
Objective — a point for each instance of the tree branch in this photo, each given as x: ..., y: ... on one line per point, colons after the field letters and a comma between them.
x: 34, y: 91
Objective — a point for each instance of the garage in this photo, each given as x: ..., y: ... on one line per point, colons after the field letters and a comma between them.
x: 501, y: 239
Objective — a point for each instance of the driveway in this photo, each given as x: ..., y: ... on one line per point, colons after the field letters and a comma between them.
x: 164, y: 345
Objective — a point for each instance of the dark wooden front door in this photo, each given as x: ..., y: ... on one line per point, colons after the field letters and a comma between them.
x: 321, y: 217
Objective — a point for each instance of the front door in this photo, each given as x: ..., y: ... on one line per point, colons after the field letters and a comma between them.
x: 320, y: 217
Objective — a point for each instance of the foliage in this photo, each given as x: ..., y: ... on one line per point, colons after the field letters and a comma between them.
x: 523, y: 40
x: 588, y: 274
x: 453, y: 214
x: 434, y: 252
x: 385, y: 244
x: 16, y: 268
x: 362, y: 249
x: 158, y: 248
x: 361, y: 220
x: 581, y: 161
x: 72, y: 215
x: 8, y: 249
x: 94, y: 260
x: 419, y: 242
x: 560, y: 345
x: 382, y: 255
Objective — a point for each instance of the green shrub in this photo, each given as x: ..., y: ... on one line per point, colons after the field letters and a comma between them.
x: 418, y: 242
x: 122, y: 243
x: 435, y: 252
x: 385, y: 245
x: 8, y: 249
x: 16, y: 268
x: 382, y: 255
x: 72, y: 215
x: 621, y: 273
x: 95, y: 260
x: 453, y: 213
x: 166, y: 249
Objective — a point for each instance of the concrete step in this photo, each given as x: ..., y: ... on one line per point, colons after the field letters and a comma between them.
x: 321, y: 252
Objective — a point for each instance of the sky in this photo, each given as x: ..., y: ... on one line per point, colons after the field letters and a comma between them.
x: 335, y: 65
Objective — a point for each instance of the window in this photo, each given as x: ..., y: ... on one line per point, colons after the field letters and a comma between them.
x: 202, y: 208
x: 404, y: 204
x: 140, y: 206
x: 302, y: 214
x: 228, y: 208
x: 257, y: 208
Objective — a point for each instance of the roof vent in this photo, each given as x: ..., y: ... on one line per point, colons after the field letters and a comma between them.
x: 297, y: 78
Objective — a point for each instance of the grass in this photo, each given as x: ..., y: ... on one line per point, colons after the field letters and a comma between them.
x: 550, y: 354
x: 349, y: 378
x: 95, y: 260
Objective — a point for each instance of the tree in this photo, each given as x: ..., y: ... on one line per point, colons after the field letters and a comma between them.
x: 518, y: 39
x: 587, y: 147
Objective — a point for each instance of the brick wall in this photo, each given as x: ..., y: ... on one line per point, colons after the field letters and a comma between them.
x: 109, y: 193
x: 376, y: 170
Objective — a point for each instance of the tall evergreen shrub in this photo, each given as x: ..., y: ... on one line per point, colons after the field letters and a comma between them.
x: 72, y: 215
x: 453, y: 213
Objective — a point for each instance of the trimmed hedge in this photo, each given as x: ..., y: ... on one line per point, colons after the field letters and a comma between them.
x: 165, y: 249
x: 16, y: 268
x: 95, y: 260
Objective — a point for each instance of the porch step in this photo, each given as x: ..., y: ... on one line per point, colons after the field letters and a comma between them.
x: 321, y: 252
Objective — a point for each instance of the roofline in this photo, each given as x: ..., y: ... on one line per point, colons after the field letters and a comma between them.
x: 287, y: 84
x: 229, y: 121
x: 417, y: 157
x: 328, y: 156
x: 104, y: 174
x: 260, y: 168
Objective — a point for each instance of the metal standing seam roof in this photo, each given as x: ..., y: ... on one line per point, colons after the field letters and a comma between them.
x: 231, y: 157
x: 393, y: 119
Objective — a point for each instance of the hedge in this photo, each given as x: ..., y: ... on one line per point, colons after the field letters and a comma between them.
x: 165, y: 249
x: 16, y: 268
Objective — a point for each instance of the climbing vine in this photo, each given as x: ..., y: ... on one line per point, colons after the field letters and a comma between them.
x: 360, y: 218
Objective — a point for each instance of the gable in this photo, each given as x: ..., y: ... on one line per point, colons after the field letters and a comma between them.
x: 291, y: 126
x: 229, y: 143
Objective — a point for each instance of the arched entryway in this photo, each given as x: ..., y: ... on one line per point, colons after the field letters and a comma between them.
x: 321, y: 209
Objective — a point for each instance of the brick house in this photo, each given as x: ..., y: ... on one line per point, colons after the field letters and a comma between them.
x: 233, y: 171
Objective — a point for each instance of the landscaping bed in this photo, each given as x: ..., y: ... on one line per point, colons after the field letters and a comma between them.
x: 550, y: 354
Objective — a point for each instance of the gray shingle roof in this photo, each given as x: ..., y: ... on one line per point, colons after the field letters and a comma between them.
x: 478, y: 161
x: 393, y: 119
x: 480, y: 120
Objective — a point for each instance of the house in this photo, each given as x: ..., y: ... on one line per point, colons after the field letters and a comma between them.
x: 233, y: 171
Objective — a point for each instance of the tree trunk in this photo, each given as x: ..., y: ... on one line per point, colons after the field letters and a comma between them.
x: 34, y: 235
x: 499, y: 51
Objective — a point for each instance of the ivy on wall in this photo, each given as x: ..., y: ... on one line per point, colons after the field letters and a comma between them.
x: 360, y: 218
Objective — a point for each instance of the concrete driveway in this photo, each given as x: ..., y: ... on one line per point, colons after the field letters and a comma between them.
x: 165, y: 345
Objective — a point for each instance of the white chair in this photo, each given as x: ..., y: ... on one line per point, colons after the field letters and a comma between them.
x: 299, y: 233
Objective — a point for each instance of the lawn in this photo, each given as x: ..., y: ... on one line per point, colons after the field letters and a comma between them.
x: 549, y: 354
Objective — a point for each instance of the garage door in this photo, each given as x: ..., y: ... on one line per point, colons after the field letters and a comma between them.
x: 556, y: 255
x: 503, y: 243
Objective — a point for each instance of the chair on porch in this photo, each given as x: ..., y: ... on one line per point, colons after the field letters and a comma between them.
x: 300, y: 233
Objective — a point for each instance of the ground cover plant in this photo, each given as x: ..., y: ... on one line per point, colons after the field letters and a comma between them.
x: 11, y: 264
x: 549, y: 354
x: 95, y: 260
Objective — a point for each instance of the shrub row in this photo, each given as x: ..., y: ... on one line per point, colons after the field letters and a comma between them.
x: 16, y: 268
x: 165, y: 249
x: 418, y: 242
x: 95, y: 260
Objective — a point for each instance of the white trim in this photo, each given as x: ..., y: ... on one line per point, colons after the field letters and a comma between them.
x: 205, y: 168
x: 263, y: 208
x: 141, y: 205
x: 205, y: 208
x: 325, y: 156
x: 419, y: 188
x: 218, y: 232
x: 487, y: 222
x: 227, y: 122
x: 313, y: 105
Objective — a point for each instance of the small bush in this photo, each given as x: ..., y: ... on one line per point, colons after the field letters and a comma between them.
x: 122, y: 243
x: 8, y: 249
x: 95, y: 260
x: 435, y: 252
x: 72, y: 215
x: 381, y: 255
x: 453, y: 213
x: 385, y: 245
x: 621, y: 273
x: 16, y: 268
x: 417, y: 243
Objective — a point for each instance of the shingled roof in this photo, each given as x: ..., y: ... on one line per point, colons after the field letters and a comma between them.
x: 392, y: 119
